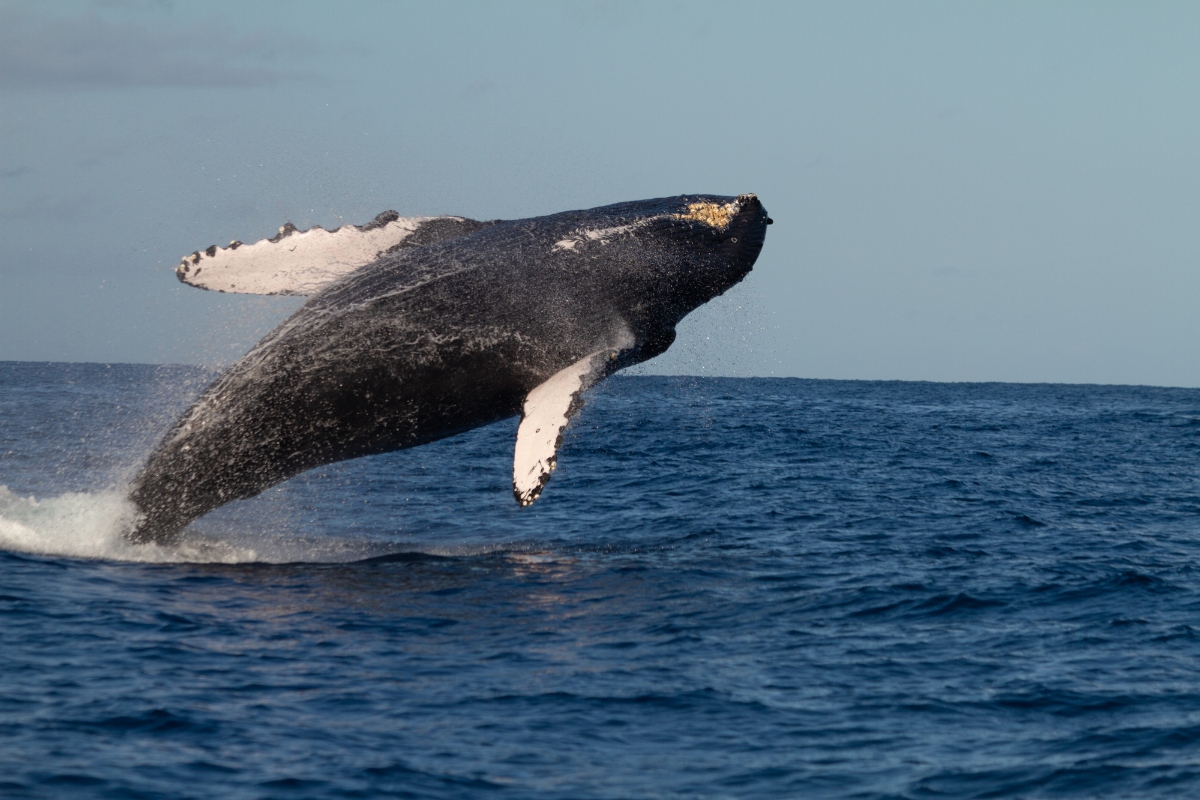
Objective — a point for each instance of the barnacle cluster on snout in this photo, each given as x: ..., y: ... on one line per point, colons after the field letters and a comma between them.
x: 715, y: 215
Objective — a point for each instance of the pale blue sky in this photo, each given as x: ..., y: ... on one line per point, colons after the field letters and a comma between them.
x: 962, y: 191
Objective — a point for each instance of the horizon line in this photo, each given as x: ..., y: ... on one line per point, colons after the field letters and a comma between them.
x: 216, y: 368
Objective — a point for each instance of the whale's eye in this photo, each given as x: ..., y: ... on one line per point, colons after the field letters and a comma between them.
x: 734, y: 240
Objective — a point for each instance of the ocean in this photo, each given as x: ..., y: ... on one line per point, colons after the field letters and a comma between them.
x: 732, y: 588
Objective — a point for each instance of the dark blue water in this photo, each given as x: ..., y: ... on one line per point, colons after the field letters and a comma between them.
x: 731, y: 588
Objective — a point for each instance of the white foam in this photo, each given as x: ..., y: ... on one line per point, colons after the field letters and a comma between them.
x: 93, y: 525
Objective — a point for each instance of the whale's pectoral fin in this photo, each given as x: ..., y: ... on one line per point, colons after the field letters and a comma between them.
x: 548, y: 409
x: 296, y: 262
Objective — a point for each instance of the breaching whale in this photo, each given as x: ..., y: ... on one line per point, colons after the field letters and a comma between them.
x: 420, y: 328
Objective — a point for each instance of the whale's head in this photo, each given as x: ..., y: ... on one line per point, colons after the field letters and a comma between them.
x: 671, y: 255
x: 715, y: 241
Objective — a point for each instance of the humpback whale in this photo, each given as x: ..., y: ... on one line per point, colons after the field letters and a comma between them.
x: 419, y: 328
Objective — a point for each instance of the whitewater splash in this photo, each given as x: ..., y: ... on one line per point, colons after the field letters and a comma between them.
x: 94, y: 525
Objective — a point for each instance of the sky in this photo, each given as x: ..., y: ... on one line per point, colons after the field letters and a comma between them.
x: 961, y: 191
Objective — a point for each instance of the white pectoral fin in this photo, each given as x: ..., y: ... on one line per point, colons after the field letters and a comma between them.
x: 296, y: 262
x: 548, y: 409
